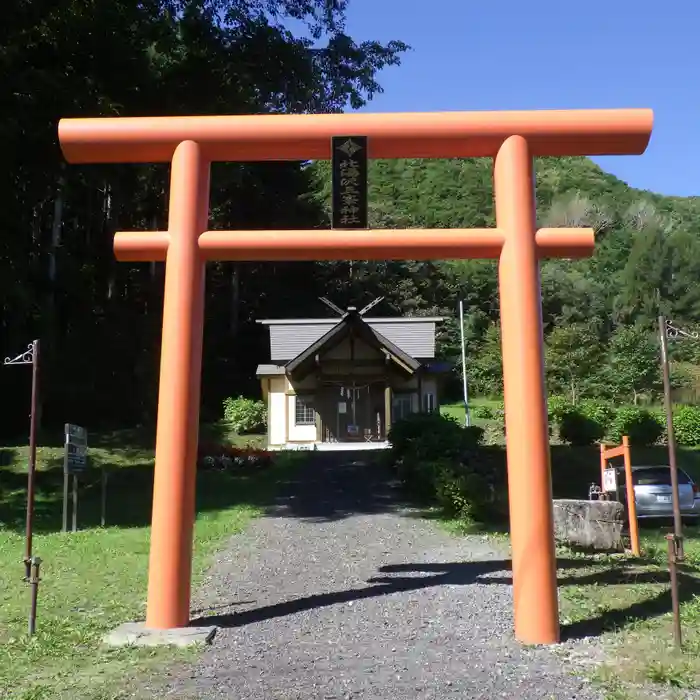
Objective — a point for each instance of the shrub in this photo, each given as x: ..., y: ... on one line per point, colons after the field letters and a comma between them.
x: 494, y: 433
x: 437, y: 459
x: 245, y: 415
x: 640, y: 425
x: 461, y: 494
x: 599, y: 411
x: 483, y: 412
x: 578, y: 429
x: 557, y: 406
x: 686, y: 425
x: 429, y: 436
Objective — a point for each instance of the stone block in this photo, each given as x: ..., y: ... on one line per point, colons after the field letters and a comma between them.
x: 595, y: 525
x: 137, y: 634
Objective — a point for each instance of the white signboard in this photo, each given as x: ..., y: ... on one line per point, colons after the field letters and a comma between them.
x: 610, y: 480
x: 342, y: 407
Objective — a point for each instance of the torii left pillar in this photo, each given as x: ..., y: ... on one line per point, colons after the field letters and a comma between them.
x: 170, y: 566
x: 512, y: 139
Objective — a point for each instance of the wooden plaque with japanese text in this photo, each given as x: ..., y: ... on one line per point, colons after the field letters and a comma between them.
x: 349, y: 167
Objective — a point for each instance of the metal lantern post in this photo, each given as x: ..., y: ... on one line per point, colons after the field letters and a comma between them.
x: 676, y: 554
x: 465, y: 387
x: 31, y: 564
x: 667, y: 332
x: 30, y: 357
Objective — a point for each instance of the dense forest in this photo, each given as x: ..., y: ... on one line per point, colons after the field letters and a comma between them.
x: 99, y: 320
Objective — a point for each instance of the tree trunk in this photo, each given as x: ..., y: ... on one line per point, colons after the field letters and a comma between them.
x: 235, y: 317
x: 51, y: 323
x: 56, y: 228
x: 107, y: 214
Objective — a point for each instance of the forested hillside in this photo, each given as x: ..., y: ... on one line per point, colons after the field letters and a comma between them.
x: 599, y: 313
x: 99, y: 321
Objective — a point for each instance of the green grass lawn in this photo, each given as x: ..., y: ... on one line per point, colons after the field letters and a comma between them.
x: 627, y: 601
x: 493, y: 427
x: 96, y: 578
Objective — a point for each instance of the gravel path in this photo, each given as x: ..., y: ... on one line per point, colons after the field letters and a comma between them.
x: 340, y: 594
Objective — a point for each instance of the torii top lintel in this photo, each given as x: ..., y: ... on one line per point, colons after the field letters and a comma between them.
x: 392, y: 135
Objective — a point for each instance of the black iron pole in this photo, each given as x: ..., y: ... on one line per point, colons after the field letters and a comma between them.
x: 31, y: 470
x: 668, y: 406
x: 673, y: 575
x: 30, y: 357
x: 34, y: 584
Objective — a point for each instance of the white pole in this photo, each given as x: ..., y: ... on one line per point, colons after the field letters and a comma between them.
x: 467, y: 420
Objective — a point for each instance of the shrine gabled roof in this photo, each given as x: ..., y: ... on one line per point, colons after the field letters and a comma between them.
x: 353, y: 321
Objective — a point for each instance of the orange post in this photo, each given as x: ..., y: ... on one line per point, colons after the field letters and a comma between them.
x: 603, y: 463
x: 512, y: 138
x: 623, y: 451
x: 527, y: 435
x: 631, y: 504
x: 178, y: 399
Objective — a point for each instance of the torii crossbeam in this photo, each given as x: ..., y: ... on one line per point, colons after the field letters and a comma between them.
x: 191, y: 144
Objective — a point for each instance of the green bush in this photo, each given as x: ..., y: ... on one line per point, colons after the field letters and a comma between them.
x: 557, y: 406
x: 578, y: 429
x: 461, y: 494
x: 245, y: 415
x: 686, y: 425
x: 482, y: 412
x: 640, y: 425
x: 430, y: 436
x: 599, y: 411
x: 438, y: 461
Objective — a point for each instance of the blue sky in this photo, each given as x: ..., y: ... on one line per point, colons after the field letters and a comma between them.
x: 552, y: 54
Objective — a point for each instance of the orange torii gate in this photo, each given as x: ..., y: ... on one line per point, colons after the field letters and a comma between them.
x: 191, y: 144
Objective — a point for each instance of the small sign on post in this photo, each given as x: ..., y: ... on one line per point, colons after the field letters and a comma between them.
x: 75, y: 462
x: 610, y: 480
x: 349, y: 164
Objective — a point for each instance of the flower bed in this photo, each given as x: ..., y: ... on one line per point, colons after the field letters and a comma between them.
x: 224, y: 457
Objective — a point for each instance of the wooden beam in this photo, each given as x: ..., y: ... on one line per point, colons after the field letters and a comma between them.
x: 317, y: 408
x: 613, y: 452
x: 241, y: 138
x: 371, y: 244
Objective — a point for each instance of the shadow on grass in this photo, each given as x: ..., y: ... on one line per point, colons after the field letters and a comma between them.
x: 129, y: 494
x: 126, y: 456
x: 8, y: 455
x: 611, y: 620
x: 575, y: 468
x: 138, y: 438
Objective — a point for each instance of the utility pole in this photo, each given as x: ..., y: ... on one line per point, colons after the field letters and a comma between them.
x: 465, y: 388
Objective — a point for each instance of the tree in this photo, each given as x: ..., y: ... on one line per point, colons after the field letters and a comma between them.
x: 485, y: 363
x: 633, y: 362
x: 573, y: 358
x: 99, y: 320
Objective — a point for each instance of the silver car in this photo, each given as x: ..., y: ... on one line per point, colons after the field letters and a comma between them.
x: 653, y: 494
